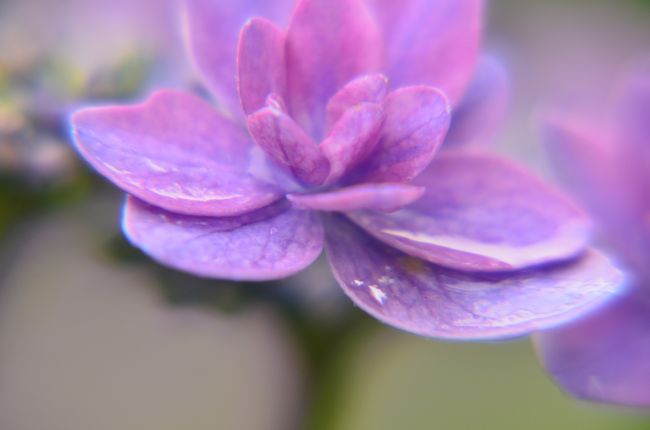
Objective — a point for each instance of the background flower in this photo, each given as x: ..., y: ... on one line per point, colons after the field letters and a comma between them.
x: 605, y: 160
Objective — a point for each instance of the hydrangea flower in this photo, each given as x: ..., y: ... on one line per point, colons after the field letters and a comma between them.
x: 604, y: 158
x: 327, y: 119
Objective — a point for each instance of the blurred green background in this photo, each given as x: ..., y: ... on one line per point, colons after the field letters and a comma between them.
x: 95, y: 336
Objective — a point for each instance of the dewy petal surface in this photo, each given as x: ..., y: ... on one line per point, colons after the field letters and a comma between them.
x: 261, y: 64
x: 366, y: 89
x: 329, y: 43
x: 211, y: 30
x: 415, y: 125
x: 174, y: 151
x: 271, y: 243
x: 482, y: 111
x: 482, y: 213
x: 380, y: 197
x: 431, y: 42
x: 606, y: 356
x: 289, y: 145
x: 430, y: 300
x: 352, y: 139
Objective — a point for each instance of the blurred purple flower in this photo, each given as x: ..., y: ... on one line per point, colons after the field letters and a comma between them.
x: 450, y: 248
x: 605, y: 159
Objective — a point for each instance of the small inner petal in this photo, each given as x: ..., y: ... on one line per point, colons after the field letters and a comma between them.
x: 329, y: 42
x: 288, y: 144
x: 260, y: 63
x: 352, y: 139
x: 416, y: 120
x: 366, y: 89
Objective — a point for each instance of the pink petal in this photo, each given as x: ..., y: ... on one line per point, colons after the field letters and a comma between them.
x: 366, y: 89
x: 596, y: 171
x: 417, y: 119
x: 352, y: 138
x: 606, y: 356
x: 329, y: 42
x: 430, y: 300
x: 271, y: 243
x: 380, y: 197
x: 482, y: 112
x: 482, y: 213
x: 432, y: 43
x: 289, y: 145
x: 212, y: 29
x: 174, y: 151
x: 261, y: 63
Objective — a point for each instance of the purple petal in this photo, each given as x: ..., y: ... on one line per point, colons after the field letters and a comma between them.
x: 289, y: 145
x: 415, y: 125
x: 432, y: 43
x: 596, y: 171
x: 261, y: 64
x: 634, y: 128
x: 430, y: 300
x: 381, y: 197
x: 174, y: 151
x: 482, y: 213
x: 271, y: 243
x: 482, y: 111
x: 587, y: 162
x: 606, y: 356
x: 352, y: 139
x: 212, y: 30
x: 366, y: 89
x: 329, y: 42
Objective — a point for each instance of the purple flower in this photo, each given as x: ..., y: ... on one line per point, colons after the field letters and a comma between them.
x: 605, y: 159
x: 324, y: 135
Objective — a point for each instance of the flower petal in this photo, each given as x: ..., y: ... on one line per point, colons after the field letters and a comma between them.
x: 415, y: 125
x: 366, y: 89
x: 329, y: 42
x: 352, y: 139
x: 482, y: 111
x: 634, y: 115
x: 289, y: 145
x: 261, y: 64
x: 381, y: 197
x: 212, y: 28
x: 174, y: 151
x: 430, y: 300
x: 431, y: 42
x: 482, y: 213
x: 271, y: 243
x: 594, y: 169
x: 604, y: 357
